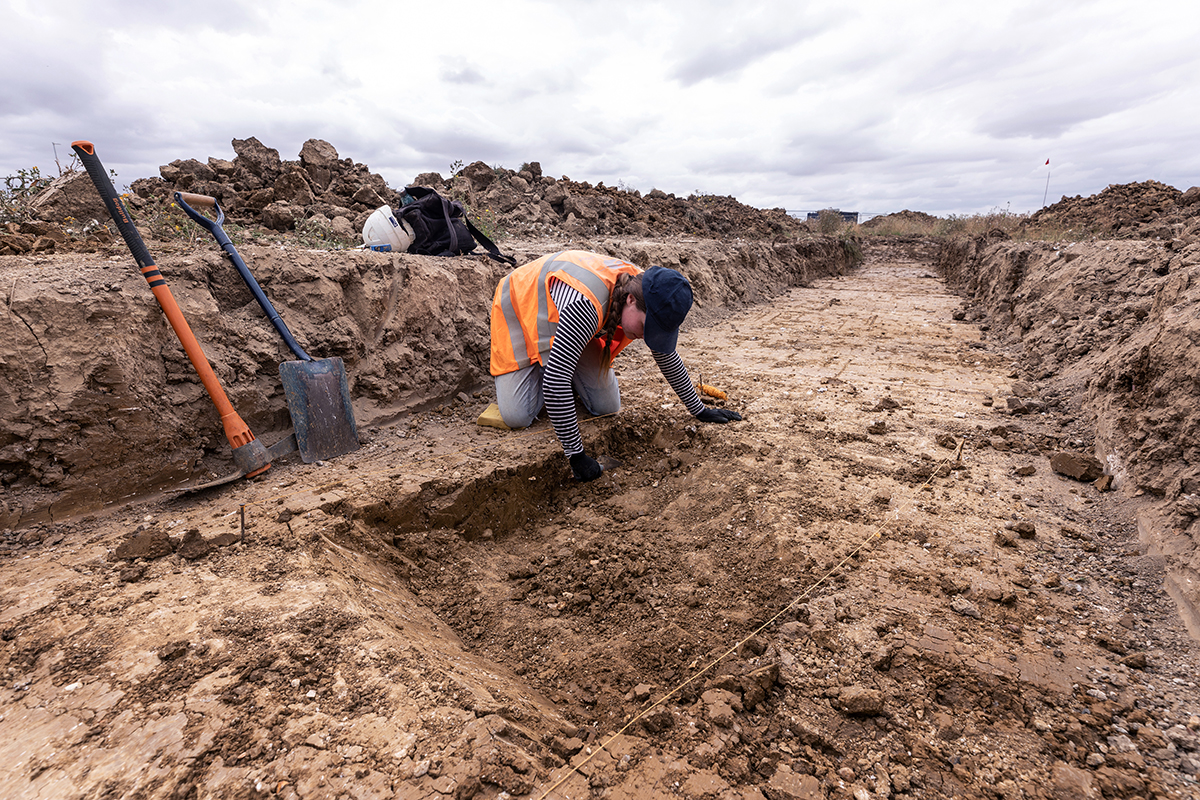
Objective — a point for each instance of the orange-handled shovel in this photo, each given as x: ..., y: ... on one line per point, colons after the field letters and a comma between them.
x: 249, y: 454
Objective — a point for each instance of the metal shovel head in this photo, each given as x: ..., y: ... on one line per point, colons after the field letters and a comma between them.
x: 318, y: 399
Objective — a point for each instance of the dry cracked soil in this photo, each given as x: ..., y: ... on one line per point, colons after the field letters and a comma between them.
x: 875, y: 586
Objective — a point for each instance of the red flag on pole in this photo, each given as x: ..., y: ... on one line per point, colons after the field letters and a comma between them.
x: 1047, y: 162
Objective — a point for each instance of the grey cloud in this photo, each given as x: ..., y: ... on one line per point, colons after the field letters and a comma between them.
x: 1049, y: 116
x: 1041, y: 121
x: 463, y: 75
x: 726, y: 59
x: 739, y: 37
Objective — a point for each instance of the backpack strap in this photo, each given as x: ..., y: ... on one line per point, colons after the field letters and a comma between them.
x: 454, y: 248
x: 489, y: 245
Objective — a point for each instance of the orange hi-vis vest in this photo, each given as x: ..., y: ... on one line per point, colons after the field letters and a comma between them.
x: 524, y: 318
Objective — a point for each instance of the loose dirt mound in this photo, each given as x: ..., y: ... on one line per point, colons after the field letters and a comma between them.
x: 1147, y: 210
x: 331, y: 197
x: 919, y: 217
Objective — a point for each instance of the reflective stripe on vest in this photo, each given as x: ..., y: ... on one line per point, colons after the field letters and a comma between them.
x: 524, y: 319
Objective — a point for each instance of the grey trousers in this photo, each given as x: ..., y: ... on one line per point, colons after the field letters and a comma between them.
x: 520, y: 397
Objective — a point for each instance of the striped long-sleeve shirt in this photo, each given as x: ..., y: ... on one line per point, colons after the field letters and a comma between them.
x: 577, y: 325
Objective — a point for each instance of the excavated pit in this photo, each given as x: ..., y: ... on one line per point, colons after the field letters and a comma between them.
x: 604, y: 597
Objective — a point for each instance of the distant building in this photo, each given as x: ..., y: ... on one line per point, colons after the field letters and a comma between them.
x: 847, y: 216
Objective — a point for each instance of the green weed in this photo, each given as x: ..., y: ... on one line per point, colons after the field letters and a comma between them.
x: 488, y: 222
x: 317, y: 235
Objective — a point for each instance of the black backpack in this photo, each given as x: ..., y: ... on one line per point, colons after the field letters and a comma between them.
x: 441, y: 227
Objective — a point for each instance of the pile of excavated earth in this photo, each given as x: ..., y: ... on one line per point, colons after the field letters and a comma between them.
x: 1147, y: 210
x: 950, y: 551
x: 334, y: 196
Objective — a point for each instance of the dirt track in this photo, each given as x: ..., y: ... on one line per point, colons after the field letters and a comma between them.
x: 903, y: 598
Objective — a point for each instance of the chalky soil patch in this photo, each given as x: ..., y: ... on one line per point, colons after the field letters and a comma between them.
x: 874, y: 586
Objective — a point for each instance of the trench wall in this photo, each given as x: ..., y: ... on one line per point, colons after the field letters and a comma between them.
x: 99, y: 404
x: 1109, y: 331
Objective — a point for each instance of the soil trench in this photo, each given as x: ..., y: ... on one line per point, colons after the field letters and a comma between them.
x: 874, y: 586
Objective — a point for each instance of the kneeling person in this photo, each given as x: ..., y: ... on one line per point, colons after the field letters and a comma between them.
x: 558, y: 323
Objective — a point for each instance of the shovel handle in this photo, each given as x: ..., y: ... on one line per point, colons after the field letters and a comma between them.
x: 198, y: 200
x: 186, y: 200
x: 236, y: 431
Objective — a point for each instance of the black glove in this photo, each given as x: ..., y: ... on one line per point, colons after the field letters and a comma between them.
x: 720, y: 415
x: 585, y: 467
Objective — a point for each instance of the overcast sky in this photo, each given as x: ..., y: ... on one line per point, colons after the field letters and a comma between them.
x: 946, y: 107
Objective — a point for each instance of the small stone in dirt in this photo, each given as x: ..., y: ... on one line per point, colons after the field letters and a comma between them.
x: 946, y: 441
x: 1068, y: 781
x: 565, y: 747
x: 660, y: 719
x: 886, y: 404
x: 1150, y: 738
x: 877, y: 428
x: 132, y: 573
x: 194, y: 545
x: 1188, y: 505
x: 720, y: 705
x: 153, y: 543
x: 1025, y: 470
x: 1017, y: 406
x: 640, y: 693
x: 1079, y: 466
x: 1025, y: 529
x: 953, y: 584
x: 1135, y: 661
x: 1022, y: 389
x: 225, y: 539
x: 786, y: 783
x: 172, y: 650
x: 753, y: 646
x: 948, y: 727
x: 1005, y: 539
x: 792, y: 630
x: 961, y: 605
x: 860, y: 701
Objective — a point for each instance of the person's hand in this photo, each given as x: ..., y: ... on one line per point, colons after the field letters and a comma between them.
x: 720, y: 415
x: 585, y: 467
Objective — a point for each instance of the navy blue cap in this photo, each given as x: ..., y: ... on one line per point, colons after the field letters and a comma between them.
x: 668, y: 297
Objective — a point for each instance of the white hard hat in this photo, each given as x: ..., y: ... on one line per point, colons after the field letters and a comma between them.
x: 383, y: 231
